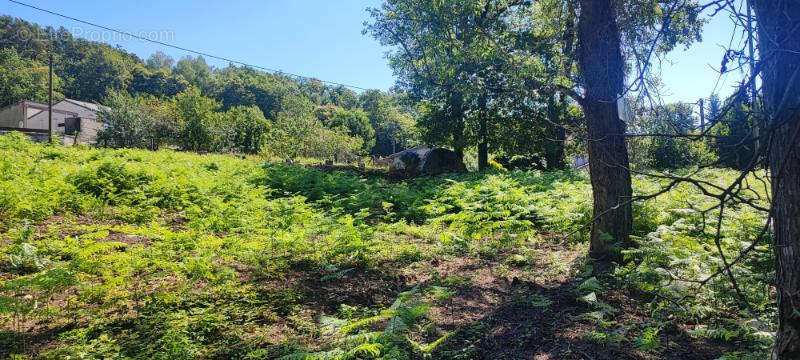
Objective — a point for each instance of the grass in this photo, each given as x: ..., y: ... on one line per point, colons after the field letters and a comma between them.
x: 135, y: 254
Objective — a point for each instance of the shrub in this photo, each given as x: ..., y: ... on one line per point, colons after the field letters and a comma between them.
x: 201, y: 129
x: 113, y: 182
x: 250, y: 129
x: 354, y: 122
x: 141, y: 122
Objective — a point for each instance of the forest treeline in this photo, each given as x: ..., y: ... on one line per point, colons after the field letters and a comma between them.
x: 192, y: 105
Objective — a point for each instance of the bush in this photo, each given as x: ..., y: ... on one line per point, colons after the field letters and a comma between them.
x: 138, y: 122
x: 354, y: 122
x: 307, y: 137
x: 201, y: 129
x: 250, y: 129
x: 113, y: 182
x: 664, y: 151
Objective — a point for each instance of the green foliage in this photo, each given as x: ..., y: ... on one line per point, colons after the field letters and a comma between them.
x: 354, y: 122
x: 395, y: 128
x: 190, y: 104
x: 666, y: 148
x: 160, y: 61
x: 307, y: 137
x: 191, y: 120
x: 274, y: 94
x: 677, y: 250
x: 23, y: 79
x: 250, y: 129
x: 735, y: 144
x: 23, y: 256
x: 195, y: 71
x: 382, y: 336
x: 159, y: 82
x: 112, y: 182
x: 453, y: 55
x: 497, y: 205
x: 126, y: 253
x: 496, y: 166
x: 96, y: 72
x: 648, y: 339
x: 540, y: 301
x: 140, y: 122
x: 201, y: 130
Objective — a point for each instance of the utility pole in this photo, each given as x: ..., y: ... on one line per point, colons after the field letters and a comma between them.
x: 50, y: 101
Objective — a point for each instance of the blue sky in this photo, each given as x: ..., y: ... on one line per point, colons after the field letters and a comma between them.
x: 686, y: 73
x: 315, y: 38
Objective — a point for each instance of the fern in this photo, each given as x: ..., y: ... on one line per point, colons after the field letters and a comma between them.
x: 429, y: 348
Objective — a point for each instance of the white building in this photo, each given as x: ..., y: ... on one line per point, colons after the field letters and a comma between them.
x: 70, y: 117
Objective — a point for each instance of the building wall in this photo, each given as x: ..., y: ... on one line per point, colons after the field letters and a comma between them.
x: 37, y: 119
x: 89, y: 129
x: 77, y: 109
x: 34, y: 116
x: 89, y: 123
x: 11, y: 116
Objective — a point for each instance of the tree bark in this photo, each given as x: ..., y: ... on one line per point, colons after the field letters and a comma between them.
x: 602, y: 71
x: 483, y: 134
x: 779, y: 48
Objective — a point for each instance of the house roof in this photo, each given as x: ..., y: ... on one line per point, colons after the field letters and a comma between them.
x: 24, y: 102
x: 87, y: 105
x: 59, y: 107
x: 42, y: 107
x: 83, y: 104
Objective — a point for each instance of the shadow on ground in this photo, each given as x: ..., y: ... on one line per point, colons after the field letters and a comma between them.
x: 519, y: 330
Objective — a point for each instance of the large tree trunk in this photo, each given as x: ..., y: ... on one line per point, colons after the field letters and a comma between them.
x: 602, y: 70
x: 483, y: 134
x: 779, y: 47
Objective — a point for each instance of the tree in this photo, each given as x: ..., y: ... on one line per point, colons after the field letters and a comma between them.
x: 343, y: 97
x: 160, y: 61
x: 397, y: 130
x: 201, y: 130
x: 307, y: 136
x: 648, y: 27
x: 143, y: 121
x: 354, y: 122
x: 714, y: 109
x: 779, y: 51
x: 195, y: 71
x: 436, y: 44
x: 124, y: 126
x: 159, y: 82
x: 546, y: 118
x: 97, y: 72
x: 250, y: 128
x: 22, y: 79
x: 603, y: 72
x: 395, y: 127
x: 467, y: 59
x: 734, y: 142
x: 273, y: 94
x: 667, y: 152
x: 163, y: 123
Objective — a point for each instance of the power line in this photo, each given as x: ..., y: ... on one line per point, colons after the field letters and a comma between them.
x: 202, y: 53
